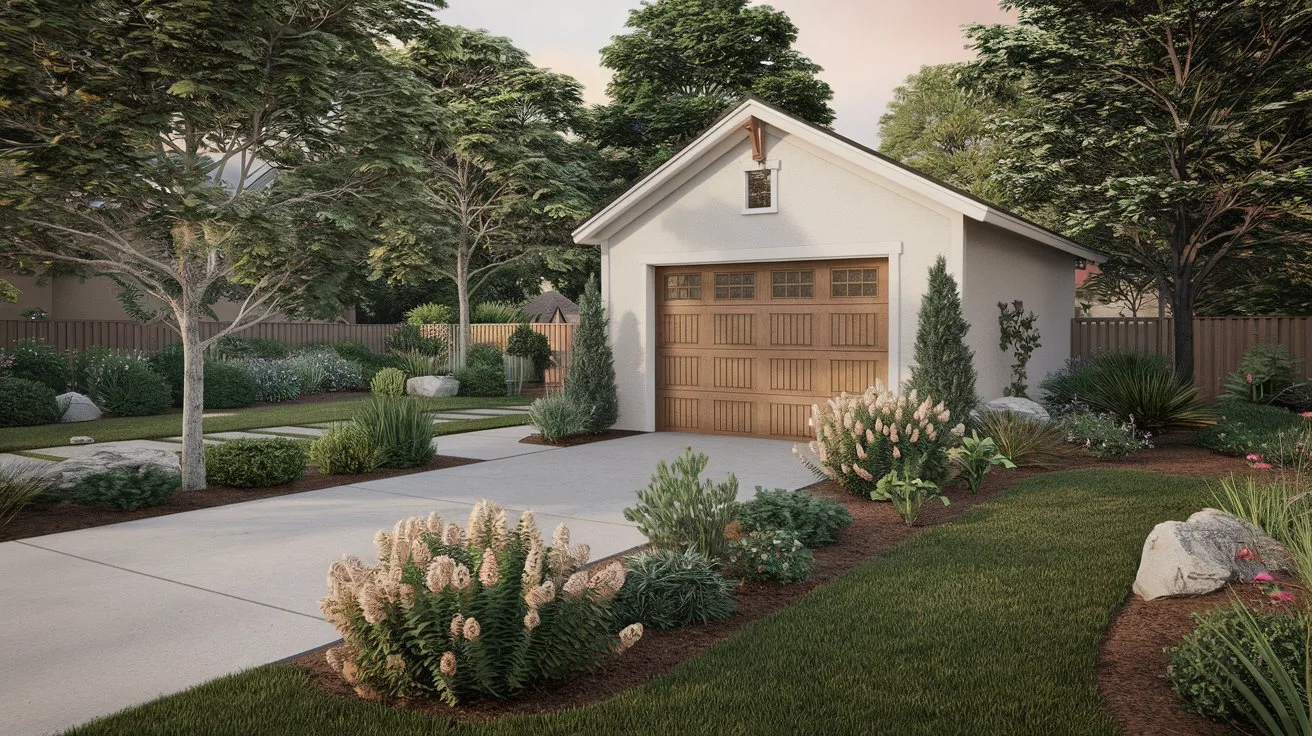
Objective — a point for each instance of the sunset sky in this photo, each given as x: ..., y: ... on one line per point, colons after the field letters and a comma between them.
x: 867, y: 47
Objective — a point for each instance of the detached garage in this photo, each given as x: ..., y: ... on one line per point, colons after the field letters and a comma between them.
x: 772, y: 264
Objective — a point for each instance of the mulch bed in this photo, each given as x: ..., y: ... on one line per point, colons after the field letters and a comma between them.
x: 36, y: 520
x: 876, y: 528
x: 582, y: 439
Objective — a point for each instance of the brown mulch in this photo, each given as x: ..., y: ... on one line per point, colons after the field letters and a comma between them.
x: 1132, y: 663
x: 581, y: 439
x: 37, y: 519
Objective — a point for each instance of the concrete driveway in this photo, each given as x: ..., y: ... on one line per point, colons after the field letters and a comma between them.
x: 97, y: 620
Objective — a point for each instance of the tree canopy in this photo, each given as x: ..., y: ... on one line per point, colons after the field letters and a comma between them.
x: 498, y: 178
x: 938, y: 125
x: 1176, y: 134
x: 197, y: 148
x: 684, y: 61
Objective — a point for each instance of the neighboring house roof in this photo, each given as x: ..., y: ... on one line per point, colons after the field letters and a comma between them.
x: 545, y: 306
x: 622, y: 209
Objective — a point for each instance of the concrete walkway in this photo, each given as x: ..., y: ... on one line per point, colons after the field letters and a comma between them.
x: 97, y: 620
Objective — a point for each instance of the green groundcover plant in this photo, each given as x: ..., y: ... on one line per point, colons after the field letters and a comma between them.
x: 124, y: 489
x: 484, y: 611
x: 975, y: 458
x: 666, y: 589
x: 776, y: 556
x: 815, y: 521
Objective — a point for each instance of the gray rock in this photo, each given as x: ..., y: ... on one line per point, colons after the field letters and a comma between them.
x: 81, y: 439
x: 80, y: 408
x: 70, y: 471
x: 432, y: 386
x: 1198, y: 555
x: 1016, y: 405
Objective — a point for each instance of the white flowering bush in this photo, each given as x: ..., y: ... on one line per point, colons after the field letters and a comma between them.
x: 860, y: 439
x: 485, y: 611
x: 776, y: 556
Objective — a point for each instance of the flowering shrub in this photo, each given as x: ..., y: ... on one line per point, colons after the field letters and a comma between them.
x: 859, y: 439
x: 777, y: 556
x: 1103, y: 435
x: 1279, y: 437
x: 455, y: 613
x: 275, y: 380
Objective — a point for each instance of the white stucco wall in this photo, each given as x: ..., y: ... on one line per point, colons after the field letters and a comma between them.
x: 1002, y: 266
x: 827, y: 209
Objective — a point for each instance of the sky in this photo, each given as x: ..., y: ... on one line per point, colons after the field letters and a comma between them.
x: 867, y: 47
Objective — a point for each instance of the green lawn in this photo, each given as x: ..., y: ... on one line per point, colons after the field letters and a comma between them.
x: 170, y: 425
x: 990, y: 625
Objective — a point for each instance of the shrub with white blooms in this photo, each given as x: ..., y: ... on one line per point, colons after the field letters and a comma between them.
x: 859, y: 439
x: 483, y: 611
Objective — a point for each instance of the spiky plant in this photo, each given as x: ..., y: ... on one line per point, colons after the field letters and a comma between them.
x: 591, y: 380
x: 945, y: 365
x: 453, y: 613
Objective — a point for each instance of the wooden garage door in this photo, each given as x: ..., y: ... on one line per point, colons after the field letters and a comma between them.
x: 748, y: 348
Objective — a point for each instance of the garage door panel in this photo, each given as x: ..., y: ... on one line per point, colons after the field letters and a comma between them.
x: 756, y: 365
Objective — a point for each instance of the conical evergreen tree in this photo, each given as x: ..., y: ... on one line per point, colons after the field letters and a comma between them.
x: 591, y: 381
x: 945, y: 366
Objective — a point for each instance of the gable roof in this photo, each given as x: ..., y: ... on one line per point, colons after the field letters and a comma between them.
x: 543, y: 307
x: 621, y: 209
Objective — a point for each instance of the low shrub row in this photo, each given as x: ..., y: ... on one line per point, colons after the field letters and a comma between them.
x: 1272, y: 435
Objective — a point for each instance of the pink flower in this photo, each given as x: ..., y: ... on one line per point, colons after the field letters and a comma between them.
x: 1281, y: 596
x: 1253, y: 457
x: 1244, y: 554
x: 1263, y: 577
x: 1306, y: 415
x: 1262, y: 466
x: 1248, y: 378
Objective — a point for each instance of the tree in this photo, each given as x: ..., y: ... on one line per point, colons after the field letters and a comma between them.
x: 945, y: 365
x: 937, y: 124
x: 1174, y: 134
x: 590, y: 385
x: 197, y: 148
x: 497, y: 178
x: 1124, y: 282
x: 8, y: 293
x: 685, y: 61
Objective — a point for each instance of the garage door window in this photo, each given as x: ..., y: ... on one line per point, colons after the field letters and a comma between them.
x: 854, y: 282
x: 735, y: 285
x: 792, y: 284
x: 683, y: 286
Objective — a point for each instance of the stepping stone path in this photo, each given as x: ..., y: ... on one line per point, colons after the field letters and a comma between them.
x: 307, y: 432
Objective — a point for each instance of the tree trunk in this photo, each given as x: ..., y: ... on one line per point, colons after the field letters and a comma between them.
x: 193, y: 404
x: 462, y: 294
x: 1182, y: 309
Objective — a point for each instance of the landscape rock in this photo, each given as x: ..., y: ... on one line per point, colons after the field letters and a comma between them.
x: 81, y: 439
x: 1017, y: 405
x: 1199, y: 555
x: 70, y: 471
x: 80, y: 408
x: 432, y: 386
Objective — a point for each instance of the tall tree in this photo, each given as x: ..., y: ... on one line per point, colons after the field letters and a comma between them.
x: 1175, y: 133
x: 190, y: 148
x: 684, y: 61
x: 945, y: 364
x: 939, y: 125
x: 591, y: 382
x: 498, y: 178
x: 1123, y: 282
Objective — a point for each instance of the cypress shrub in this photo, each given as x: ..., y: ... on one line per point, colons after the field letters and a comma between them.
x: 945, y: 366
x: 591, y: 381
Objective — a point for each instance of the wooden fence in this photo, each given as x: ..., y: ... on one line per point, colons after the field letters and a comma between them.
x: 1219, y: 342
x: 560, y: 336
x: 127, y: 335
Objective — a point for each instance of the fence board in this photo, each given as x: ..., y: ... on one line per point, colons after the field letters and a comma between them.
x: 1219, y: 342
x: 126, y: 335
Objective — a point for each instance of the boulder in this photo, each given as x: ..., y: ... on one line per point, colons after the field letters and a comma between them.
x: 70, y: 471
x: 80, y: 408
x: 432, y: 386
x: 1017, y: 405
x: 81, y: 439
x: 1199, y: 555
